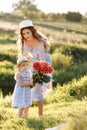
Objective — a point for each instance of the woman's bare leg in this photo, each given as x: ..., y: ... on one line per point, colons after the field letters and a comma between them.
x: 40, y: 108
x: 25, y: 111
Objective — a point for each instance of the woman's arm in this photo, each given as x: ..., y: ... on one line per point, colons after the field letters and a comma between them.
x: 21, y: 83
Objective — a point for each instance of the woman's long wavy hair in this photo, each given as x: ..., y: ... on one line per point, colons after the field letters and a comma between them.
x: 36, y: 34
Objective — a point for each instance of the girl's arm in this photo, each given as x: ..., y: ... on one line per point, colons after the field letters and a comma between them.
x: 21, y: 83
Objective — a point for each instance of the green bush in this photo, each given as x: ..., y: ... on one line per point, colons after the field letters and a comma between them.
x: 75, y: 90
x: 7, y: 81
x: 78, y: 53
x: 61, y: 61
x: 78, y: 89
x: 8, y: 55
x: 6, y: 77
x: 63, y: 76
x: 77, y: 124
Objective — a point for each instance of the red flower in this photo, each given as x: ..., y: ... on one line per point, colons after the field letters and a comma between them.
x: 37, y: 65
x: 41, y: 68
x: 44, y: 67
x: 50, y: 69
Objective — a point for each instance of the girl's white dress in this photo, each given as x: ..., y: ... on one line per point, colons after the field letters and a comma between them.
x: 22, y: 95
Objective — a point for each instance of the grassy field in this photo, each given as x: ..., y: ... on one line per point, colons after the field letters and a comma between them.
x: 73, y: 113
x: 66, y: 103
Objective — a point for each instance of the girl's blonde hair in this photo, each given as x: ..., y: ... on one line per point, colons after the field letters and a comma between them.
x: 36, y: 34
x: 23, y: 59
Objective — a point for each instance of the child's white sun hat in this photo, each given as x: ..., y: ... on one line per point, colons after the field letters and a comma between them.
x: 23, y: 59
x: 25, y: 23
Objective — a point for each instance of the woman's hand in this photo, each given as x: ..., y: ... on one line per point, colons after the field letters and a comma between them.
x: 36, y: 84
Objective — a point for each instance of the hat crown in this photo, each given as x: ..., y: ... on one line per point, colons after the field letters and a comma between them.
x: 21, y: 59
x: 25, y: 23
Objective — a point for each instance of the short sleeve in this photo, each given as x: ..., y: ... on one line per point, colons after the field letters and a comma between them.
x: 15, y: 76
x: 48, y: 59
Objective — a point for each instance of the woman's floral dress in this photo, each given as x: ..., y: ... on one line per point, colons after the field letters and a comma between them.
x: 39, y: 91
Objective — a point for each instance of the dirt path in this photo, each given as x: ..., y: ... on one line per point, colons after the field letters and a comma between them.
x: 59, y: 127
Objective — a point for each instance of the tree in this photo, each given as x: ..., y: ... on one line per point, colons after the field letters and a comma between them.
x: 73, y: 16
x: 26, y: 8
x: 21, y: 3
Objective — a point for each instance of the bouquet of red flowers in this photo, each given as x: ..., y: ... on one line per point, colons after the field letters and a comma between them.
x: 41, y: 72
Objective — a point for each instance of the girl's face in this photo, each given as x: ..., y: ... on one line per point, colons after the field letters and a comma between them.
x: 27, y: 34
x: 24, y: 67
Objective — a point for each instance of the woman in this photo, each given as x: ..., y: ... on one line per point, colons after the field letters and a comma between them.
x: 36, y: 45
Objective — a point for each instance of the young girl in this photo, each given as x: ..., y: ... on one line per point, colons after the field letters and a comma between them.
x: 22, y: 93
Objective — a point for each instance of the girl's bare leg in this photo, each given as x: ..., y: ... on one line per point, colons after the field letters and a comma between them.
x: 20, y: 112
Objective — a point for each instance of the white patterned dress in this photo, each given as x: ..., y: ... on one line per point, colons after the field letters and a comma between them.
x: 22, y: 95
x: 39, y: 92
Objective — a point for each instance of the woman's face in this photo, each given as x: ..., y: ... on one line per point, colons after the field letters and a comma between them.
x: 27, y: 34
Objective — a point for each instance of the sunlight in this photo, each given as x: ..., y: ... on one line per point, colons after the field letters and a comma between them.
x: 47, y: 6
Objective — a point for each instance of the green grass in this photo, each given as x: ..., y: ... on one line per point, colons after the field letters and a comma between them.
x: 54, y: 114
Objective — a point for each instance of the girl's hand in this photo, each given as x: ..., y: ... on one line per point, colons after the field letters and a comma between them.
x: 31, y: 83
